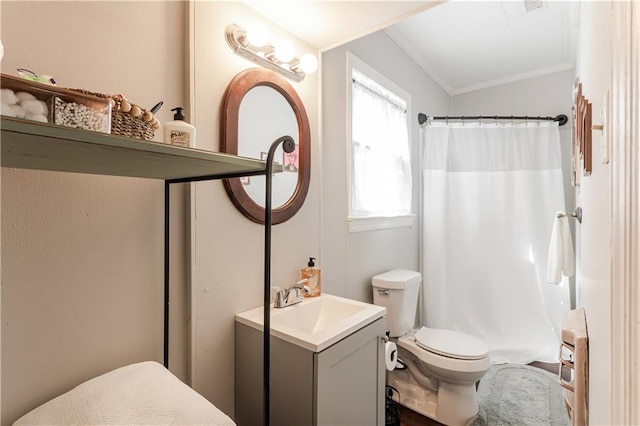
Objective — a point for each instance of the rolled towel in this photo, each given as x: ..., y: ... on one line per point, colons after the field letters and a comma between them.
x: 7, y: 110
x: 44, y: 107
x: 18, y: 110
x: 24, y: 96
x: 561, y: 259
x: 8, y: 97
x: 34, y: 106
x: 37, y: 117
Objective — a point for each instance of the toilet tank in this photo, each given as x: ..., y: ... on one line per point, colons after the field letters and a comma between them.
x: 397, y: 290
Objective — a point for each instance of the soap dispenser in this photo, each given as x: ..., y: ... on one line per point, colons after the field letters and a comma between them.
x: 179, y: 132
x: 312, y: 273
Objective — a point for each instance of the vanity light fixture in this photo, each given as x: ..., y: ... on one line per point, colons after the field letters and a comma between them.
x: 252, y: 45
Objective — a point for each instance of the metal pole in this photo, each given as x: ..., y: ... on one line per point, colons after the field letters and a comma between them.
x: 166, y: 273
x: 562, y: 119
x: 288, y: 146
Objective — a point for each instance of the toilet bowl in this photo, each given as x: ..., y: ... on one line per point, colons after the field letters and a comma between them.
x: 446, y: 365
x: 441, y: 367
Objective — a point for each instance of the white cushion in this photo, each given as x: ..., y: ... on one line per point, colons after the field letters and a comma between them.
x: 143, y: 393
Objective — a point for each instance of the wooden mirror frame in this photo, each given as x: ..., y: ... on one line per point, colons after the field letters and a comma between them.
x: 236, y: 90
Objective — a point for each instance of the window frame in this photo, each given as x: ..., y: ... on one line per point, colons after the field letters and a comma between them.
x: 372, y: 223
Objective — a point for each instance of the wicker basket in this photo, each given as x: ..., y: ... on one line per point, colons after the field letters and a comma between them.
x: 128, y: 119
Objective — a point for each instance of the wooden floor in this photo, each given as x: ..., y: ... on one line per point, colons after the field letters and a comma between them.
x: 411, y: 418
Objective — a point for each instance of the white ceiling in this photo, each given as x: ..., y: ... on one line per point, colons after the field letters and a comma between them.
x: 330, y: 23
x: 467, y: 46
x: 463, y: 45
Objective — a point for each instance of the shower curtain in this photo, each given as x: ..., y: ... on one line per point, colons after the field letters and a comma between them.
x: 490, y: 194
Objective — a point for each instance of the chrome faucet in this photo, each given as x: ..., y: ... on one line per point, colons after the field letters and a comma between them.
x: 295, y: 291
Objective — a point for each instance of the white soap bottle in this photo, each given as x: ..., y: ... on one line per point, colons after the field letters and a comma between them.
x: 179, y: 132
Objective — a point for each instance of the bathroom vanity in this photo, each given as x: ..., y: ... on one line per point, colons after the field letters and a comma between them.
x: 327, y: 364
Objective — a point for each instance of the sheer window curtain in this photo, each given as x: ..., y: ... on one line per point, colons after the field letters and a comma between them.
x: 490, y: 194
x: 381, y: 183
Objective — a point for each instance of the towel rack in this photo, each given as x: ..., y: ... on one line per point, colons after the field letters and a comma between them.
x: 577, y: 214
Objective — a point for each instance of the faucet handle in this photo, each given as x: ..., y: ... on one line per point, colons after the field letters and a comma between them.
x: 297, y: 294
x: 298, y: 288
x: 303, y: 283
x: 291, y: 295
x: 278, y: 299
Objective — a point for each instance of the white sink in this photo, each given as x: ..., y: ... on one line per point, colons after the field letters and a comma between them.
x: 317, y: 322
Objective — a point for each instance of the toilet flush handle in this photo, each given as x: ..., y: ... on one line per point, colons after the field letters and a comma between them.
x: 383, y: 292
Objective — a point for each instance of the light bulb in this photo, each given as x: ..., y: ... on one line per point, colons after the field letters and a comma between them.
x: 284, y: 51
x: 308, y: 63
x: 257, y: 34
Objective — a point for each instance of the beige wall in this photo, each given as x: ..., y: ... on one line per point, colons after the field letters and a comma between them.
x: 98, y: 240
x: 228, y: 249
x: 82, y: 256
x: 594, y: 235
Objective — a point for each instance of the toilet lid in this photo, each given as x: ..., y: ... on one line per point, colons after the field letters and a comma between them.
x: 452, y: 344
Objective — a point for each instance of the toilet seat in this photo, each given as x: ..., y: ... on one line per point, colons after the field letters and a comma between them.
x: 450, y: 343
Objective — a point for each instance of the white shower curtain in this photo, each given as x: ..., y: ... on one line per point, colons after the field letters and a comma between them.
x: 490, y: 194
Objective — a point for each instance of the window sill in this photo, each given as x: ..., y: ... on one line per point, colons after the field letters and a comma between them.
x: 363, y: 224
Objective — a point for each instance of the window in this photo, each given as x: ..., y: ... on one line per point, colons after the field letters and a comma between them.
x: 380, y: 164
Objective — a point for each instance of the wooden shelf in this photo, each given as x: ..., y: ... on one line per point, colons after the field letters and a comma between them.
x: 32, y: 145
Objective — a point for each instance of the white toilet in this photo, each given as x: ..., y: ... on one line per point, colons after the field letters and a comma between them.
x: 442, y: 366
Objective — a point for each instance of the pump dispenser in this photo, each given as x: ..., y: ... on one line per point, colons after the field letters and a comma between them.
x: 312, y: 273
x: 179, y: 132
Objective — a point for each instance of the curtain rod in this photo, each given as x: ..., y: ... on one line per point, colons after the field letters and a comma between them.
x: 560, y: 118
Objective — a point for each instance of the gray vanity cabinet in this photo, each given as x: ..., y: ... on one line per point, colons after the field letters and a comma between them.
x: 341, y: 385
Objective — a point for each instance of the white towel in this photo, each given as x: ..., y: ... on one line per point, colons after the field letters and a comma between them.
x: 561, y: 259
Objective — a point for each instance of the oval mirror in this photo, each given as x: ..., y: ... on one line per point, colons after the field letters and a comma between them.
x: 259, y: 107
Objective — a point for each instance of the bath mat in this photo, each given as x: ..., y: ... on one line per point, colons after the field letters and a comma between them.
x: 511, y: 394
